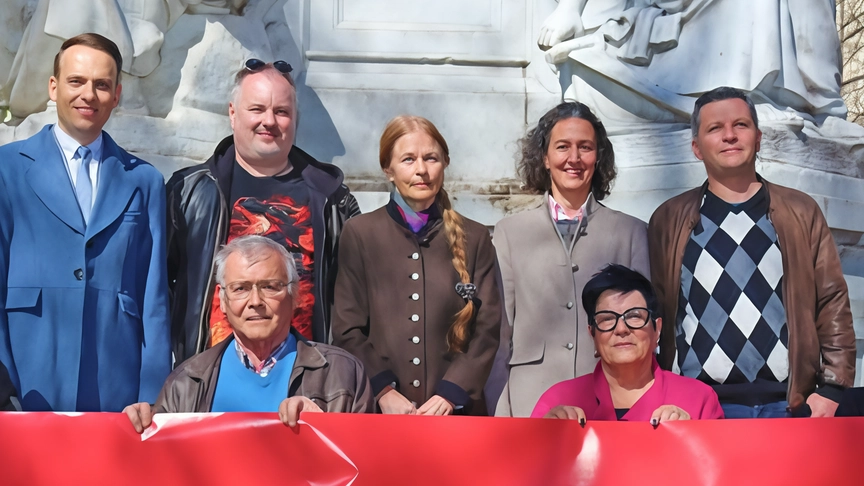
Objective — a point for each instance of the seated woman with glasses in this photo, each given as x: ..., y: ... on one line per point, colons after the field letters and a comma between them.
x: 627, y: 383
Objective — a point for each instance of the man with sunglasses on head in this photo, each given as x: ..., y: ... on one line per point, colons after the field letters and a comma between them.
x: 256, y: 183
x: 264, y: 365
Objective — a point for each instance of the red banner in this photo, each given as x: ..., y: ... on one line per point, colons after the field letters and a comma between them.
x: 342, y: 449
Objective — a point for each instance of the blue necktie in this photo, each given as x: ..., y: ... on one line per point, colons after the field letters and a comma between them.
x: 83, y: 186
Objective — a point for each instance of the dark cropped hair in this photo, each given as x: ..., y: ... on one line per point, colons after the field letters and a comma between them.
x: 720, y: 94
x: 534, y: 145
x: 621, y: 279
x: 93, y: 41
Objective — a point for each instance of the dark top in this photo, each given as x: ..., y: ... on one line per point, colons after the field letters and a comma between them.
x: 741, y: 315
x: 7, y: 391
x: 851, y: 403
x: 199, y: 214
x: 276, y: 208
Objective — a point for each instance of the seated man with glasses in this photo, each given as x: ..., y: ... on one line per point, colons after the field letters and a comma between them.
x: 627, y: 383
x: 256, y: 183
x: 265, y: 365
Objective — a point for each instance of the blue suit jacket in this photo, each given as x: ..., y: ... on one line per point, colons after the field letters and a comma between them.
x: 83, y: 310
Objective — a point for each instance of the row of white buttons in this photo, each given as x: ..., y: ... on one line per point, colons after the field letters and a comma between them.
x: 415, y: 318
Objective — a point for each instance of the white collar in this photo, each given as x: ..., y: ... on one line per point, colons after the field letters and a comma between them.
x: 69, y: 145
x: 557, y: 210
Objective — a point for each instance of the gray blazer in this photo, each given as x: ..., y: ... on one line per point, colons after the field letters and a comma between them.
x: 542, y: 281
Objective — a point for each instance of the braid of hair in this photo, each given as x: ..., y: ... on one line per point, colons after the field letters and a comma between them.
x: 458, y: 335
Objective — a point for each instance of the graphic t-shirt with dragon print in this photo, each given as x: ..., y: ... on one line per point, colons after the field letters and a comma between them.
x: 276, y: 208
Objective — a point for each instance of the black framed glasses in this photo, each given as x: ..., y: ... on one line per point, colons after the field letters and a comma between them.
x: 257, y: 64
x: 634, y: 318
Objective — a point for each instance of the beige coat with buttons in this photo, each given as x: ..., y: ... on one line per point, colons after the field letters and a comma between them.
x: 543, y: 280
x: 395, y: 300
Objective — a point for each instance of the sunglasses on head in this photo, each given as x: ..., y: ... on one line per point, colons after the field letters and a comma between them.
x: 257, y: 64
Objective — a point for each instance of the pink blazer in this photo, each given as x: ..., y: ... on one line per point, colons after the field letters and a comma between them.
x: 591, y: 394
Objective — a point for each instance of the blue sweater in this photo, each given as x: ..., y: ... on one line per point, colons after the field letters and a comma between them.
x: 239, y: 389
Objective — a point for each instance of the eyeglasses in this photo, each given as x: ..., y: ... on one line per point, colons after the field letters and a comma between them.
x: 267, y: 289
x: 634, y: 318
x: 257, y: 64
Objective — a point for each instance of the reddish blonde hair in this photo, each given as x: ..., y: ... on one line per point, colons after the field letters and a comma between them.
x: 459, y: 333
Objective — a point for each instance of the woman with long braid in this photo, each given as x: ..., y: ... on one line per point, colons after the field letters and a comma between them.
x: 416, y: 297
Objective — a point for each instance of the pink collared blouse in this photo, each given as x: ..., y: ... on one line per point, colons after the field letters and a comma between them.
x: 591, y: 394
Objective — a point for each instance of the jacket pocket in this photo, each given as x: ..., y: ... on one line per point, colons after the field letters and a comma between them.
x: 23, y: 298
x: 336, y: 401
x: 131, y: 216
x: 128, y: 305
x: 527, y: 354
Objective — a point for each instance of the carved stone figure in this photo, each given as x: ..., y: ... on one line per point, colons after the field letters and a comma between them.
x: 136, y: 26
x: 648, y: 60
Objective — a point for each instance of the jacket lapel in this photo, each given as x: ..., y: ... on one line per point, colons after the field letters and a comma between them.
x: 605, y: 409
x: 203, y: 371
x: 308, y: 358
x: 651, y: 399
x: 115, y: 188
x: 550, y: 226
x: 50, y: 180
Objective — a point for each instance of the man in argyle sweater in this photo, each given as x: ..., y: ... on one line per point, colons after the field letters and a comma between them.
x: 753, y: 298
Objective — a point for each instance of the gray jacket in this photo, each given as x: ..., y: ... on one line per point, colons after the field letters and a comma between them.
x: 327, y: 375
x: 543, y: 277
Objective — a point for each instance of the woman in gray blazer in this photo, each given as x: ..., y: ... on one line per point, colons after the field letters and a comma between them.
x: 547, y: 254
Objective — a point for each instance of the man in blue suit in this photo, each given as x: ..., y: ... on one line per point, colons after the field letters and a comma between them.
x: 83, y: 291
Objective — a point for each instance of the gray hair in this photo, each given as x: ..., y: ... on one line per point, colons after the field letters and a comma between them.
x: 254, y: 248
x: 720, y: 94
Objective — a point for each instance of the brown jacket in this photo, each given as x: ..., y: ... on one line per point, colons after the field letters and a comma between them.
x: 543, y: 279
x: 815, y: 296
x: 327, y: 375
x: 395, y: 299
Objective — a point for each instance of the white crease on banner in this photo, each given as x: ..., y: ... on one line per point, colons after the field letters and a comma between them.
x: 166, y: 420
x: 162, y: 421
x: 333, y: 447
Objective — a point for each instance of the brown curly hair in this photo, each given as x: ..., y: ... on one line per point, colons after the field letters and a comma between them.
x: 531, y: 168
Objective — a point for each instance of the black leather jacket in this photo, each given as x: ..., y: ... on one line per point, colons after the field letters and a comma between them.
x: 198, y: 220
